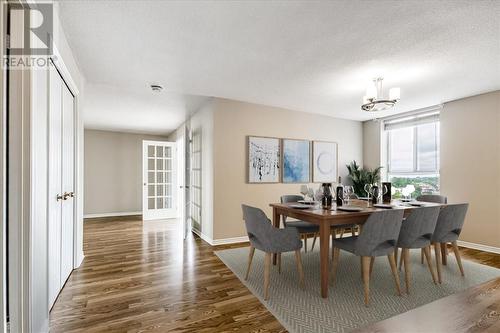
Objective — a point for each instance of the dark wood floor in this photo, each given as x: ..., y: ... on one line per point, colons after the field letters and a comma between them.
x: 141, y: 277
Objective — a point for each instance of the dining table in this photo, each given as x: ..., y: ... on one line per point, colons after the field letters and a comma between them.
x: 334, y: 216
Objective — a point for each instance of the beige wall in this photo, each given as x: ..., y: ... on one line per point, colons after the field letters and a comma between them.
x: 113, y: 171
x: 372, y: 144
x: 470, y: 163
x: 233, y: 121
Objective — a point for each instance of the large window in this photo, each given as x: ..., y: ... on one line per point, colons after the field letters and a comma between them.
x: 413, y: 153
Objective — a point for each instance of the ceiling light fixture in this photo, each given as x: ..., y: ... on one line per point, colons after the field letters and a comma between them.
x: 156, y: 88
x: 374, y: 100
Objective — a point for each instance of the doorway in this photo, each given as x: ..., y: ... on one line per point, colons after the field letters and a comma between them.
x: 159, y: 179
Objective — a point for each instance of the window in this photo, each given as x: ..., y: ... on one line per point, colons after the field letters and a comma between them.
x: 413, y: 153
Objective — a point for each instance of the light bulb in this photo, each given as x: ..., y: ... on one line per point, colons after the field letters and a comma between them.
x: 371, y: 92
x: 394, y: 93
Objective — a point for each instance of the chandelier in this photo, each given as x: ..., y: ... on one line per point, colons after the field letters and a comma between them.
x: 375, y: 100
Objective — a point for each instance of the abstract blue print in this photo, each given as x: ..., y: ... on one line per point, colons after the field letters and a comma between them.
x: 296, y: 161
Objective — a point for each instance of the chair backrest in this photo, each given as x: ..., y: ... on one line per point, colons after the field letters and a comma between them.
x: 379, y: 233
x: 418, y: 227
x: 290, y: 198
x: 258, y: 226
x: 450, y: 222
x: 433, y: 198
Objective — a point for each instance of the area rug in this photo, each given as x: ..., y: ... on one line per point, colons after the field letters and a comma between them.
x: 303, y: 310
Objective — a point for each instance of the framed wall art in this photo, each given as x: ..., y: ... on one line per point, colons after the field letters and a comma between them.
x: 263, y: 159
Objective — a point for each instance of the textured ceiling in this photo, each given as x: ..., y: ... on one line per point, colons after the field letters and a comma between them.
x: 314, y: 56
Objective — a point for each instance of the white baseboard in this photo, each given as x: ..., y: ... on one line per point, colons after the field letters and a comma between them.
x: 232, y: 240
x: 480, y: 247
x: 202, y: 236
x: 221, y: 241
x: 91, y: 216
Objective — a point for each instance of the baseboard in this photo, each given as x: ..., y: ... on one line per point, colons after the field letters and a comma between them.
x: 202, y: 236
x: 92, y: 216
x: 232, y: 240
x: 480, y: 247
x: 221, y: 241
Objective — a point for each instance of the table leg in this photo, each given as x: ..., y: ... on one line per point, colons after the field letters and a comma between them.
x: 324, y: 243
x: 276, y: 224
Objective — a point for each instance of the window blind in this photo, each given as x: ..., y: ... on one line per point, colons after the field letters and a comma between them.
x: 411, y: 120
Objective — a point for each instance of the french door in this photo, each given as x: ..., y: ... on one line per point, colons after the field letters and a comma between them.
x: 159, y: 178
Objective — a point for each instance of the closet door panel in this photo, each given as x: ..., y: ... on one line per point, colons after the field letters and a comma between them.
x: 68, y: 179
x: 55, y: 184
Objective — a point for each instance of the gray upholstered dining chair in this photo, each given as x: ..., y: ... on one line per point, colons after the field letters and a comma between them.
x: 263, y: 236
x: 434, y: 198
x: 416, y: 232
x: 378, y: 237
x: 448, y: 227
x: 305, y: 228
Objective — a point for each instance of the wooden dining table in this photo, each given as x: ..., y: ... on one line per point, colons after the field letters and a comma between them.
x: 325, y: 219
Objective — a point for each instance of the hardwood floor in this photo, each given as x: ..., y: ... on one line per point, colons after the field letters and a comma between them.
x: 138, y: 277
x: 141, y: 277
x: 474, y: 310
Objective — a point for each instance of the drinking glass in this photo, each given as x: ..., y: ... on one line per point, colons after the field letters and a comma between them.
x: 368, y: 190
x: 311, y: 193
x: 304, y: 190
x: 351, y: 191
x: 346, y: 194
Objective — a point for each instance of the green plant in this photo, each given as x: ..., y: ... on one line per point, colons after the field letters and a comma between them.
x: 360, y: 177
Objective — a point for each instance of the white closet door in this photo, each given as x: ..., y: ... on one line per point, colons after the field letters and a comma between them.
x: 68, y: 180
x: 55, y: 184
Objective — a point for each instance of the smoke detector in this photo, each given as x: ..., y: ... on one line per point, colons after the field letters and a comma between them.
x: 156, y: 88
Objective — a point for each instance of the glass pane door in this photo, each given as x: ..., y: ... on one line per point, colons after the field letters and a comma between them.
x: 159, y: 179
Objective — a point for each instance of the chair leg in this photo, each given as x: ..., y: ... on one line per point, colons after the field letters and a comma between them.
x: 437, y: 250
x: 250, y: 257
x: 457, y: 256
x: 372, y: 261
x: 365, y: 268
x: 305, y: 243
x: 267, y: 270
x: 279, y: 262
x: 395, y: 274
x: 342, y: 232
x: 422, y: 256
x: 361, y: 266
x: 335, y: 264
x: 444, y: 253
x: 428, y: 257
x: 298, y: 259
x: 314, y: 240
x: 406, y: 263
x: 396, y: 250
x: 401, y: 259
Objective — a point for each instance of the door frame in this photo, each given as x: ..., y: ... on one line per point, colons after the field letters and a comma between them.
x: 145, y: 144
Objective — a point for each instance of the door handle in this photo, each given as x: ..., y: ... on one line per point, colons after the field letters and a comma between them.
x: 59, y: 197
x: 67, y: 195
